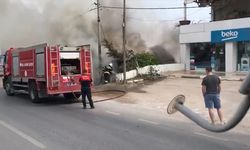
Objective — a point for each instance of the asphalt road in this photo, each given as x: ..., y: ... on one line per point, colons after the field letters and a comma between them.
x: 57, y: 125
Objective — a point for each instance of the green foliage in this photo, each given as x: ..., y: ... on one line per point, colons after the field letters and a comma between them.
x: 143, y: 59
x: 152, y: 74
x: 112, y: 52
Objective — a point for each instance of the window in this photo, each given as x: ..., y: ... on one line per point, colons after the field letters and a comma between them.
x: 70, y: 63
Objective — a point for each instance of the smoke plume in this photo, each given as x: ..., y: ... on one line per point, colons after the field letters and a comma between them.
x: 60, y: 22
x: 167, y: 51
x: 70, y: 22
x: 112, y: 26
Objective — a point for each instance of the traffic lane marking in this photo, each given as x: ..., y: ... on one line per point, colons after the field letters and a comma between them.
x: 210, y: 136
x: 113, y: 113
x: 148, y: 121
x: 23, y: 135
x: 140, y: 119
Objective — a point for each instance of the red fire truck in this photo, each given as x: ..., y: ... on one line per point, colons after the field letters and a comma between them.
x: 44, y: 70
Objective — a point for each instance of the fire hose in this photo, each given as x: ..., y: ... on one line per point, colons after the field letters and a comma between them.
x: 177, y: 104
x: 104, y: 91
x: 123, y: 92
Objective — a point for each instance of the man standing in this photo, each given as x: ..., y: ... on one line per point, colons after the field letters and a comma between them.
x: 211, y: 91
x: 85, y: 81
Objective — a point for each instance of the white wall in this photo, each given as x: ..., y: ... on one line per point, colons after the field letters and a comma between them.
x: 195, y: 33
x: 145, y: 70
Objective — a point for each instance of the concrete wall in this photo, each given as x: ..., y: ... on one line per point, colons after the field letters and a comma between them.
x: 145, y: 70
x: 197, y: 33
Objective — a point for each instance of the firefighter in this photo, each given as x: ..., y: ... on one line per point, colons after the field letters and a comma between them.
x: 86, y: 81
x: 107, y: 72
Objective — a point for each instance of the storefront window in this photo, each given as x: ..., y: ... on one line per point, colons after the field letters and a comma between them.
x: 207, y: 54
x: 219, y: 55
x: 243, y: 59
x: 200, y: 55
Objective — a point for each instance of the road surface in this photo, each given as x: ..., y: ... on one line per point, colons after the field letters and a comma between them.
x: 57, y: 125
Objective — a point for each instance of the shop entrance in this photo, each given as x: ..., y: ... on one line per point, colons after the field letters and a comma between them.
x: 207, y: 54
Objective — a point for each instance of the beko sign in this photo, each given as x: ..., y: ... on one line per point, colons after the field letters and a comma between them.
x: 242, y: 34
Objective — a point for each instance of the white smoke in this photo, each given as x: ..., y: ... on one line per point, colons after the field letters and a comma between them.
x: 69, y: 22
x: 56, y: 22
x: 18, y: 25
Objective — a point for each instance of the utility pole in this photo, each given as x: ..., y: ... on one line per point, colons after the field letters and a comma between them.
x: 185, y: 10
x: 124, y: 41
x: 99, y: 36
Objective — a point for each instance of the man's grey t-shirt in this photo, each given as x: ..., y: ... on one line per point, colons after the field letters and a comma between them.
x: 211, y: 82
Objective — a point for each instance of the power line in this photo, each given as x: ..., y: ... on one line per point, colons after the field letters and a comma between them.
x: 152, y: 20
x: 147, y: 8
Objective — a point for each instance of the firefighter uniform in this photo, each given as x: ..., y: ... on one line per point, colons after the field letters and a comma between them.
x: 107, y: 72
x: 85, y: 81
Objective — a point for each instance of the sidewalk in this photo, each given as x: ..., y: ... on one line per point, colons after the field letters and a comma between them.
x: 156, y: 95
x: 236, y: 76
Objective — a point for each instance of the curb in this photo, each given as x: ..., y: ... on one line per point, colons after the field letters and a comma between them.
x: 191, y: 77
x: 232, y: 79
x: 222, y: 78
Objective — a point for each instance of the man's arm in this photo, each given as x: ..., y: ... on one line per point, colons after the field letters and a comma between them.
x: 219, y: 88
x: 203, y: 90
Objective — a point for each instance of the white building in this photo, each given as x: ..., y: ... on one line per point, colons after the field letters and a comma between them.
x: 225, y: 45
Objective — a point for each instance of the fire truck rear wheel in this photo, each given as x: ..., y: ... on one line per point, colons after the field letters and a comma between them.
x: 33, y: 93
x: 9, y: 89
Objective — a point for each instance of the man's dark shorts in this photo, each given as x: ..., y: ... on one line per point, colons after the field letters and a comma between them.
x: 212, y: 101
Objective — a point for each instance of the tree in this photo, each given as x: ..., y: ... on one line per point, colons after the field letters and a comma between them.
x: 133, y: 60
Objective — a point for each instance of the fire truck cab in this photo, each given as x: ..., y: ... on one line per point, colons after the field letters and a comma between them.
x: 44, y: 70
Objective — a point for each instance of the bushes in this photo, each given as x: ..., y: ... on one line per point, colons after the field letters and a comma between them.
x: 142, y: 60
x: 146, y: 59
x: 133, y: 60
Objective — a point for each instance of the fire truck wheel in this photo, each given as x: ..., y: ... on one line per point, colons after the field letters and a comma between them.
x: 33, y: 93
x: 9, y: 89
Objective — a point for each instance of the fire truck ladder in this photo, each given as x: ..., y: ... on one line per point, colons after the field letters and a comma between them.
x: 54, y: 67
x: 87, y: 61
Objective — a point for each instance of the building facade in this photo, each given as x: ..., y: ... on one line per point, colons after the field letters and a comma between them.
x: 224, y: 43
